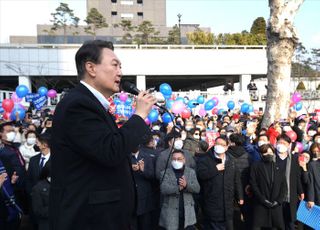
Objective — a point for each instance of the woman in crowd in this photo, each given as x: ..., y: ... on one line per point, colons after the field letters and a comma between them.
x: 27, y: 149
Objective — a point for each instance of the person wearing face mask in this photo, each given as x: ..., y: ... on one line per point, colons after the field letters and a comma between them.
x: 300, y: 129
x: 313, y: 192
x: 315, y: 151
x: 203, y: 136
x: 192, y: 140
x: 289, y: 164
x: 316, y: 138
x: 189, y: 125
x: 268, y: 184
x: 253, y: 148
x: 27, y: 148
x: 220, y: 184
x: 178, y: 186
x: 172, y: 142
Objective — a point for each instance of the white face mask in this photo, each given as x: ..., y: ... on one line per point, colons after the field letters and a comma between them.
x: 203, y: 138
x: 178, y: 144
x: 281, y: 148
x: 188, y: 128
x: 183, y: 136
x: 196, y: 137
x: 11, y: 136
x: 312, y: 133
x: 219, y: 149
x: 318, y: 141
x: 31, y: 140
x: 177, y: 164
x: 260, y: 143
x: 156, y: 128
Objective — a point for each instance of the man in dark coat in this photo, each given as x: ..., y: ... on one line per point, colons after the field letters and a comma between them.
x: 92, y: 185
x: 220, y: 185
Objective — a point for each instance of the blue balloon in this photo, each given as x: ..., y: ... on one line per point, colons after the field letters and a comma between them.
x: 209, y: 105
x: 192, y: 103
x: 116, y: 101
x: 128, y: 101
x: 180, y: 99
x: 166, y: 118
x: 185, y: 100
x: 167, y: 96
x: 200, y: 99
x: 298, y: 106
x: 220, y: 111
x: 20, y: 111
x: 169, y: 104
x: 244, y: 108
x: 153, y: 115
x: 43, y: 91
x: 250, y: 109
x: 165, y: 89
x: 231, y: 105
x: 22, y: 91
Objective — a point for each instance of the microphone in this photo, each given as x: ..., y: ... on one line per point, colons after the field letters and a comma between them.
x: 131, y: 88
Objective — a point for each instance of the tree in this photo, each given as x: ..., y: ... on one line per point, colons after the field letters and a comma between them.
x: 127, y: 28
x: 174, y: 35
x: 199, y: 37
x: 301, y: 86
x: 95, y: 21
x: 258, y: 26
x: 64, y: 18
x: 282, y: 41
x: 146, y: 33
x: 316, y: 59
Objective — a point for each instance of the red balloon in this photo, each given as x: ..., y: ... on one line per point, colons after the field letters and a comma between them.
x: 214, y: 111
x: 7, y: 105
x: 185, y: 113
x: 6, y: 116
x: 292, y: 135
x: 291, y: 103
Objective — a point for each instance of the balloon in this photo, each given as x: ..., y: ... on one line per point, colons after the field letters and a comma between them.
x: 299, y: 146
x: 21, y: 113
x: 186, y: 113
x: 167, y: 96
x: 166, y: 118
x: 153, y: 115
x: 185, y: 100
x: 180, y: 99
x: 42, y: 91
x: 147, y: 121
x: 123, y: 97
x: 298, y: 106
x: 192, y: 103
x: 250, y: 109
x: 292, y: 135
x: 177, y: 107
x: 128, y: 101
x: 15, y: 98
x: 291, y: 103
x: 52, y: 93
x: 231, y: 105
x: 214, y: 111
x: 209, y: 105
x: 216, y: 101
x: 244, y: 108
x: 169, y: 104
x: 7, y: 105
x: 6, y: 116
x: 296, y: 97
x: 116, y: 101
x: 220, y: 111
x: 202, y: 112
x: 22, y: 91
x: 200, y: 99
x: 165, y: 89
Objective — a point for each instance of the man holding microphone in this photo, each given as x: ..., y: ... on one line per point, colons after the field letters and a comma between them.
x: 92, y: 185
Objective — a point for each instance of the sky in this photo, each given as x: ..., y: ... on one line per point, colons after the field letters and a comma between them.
x: 20, y: 17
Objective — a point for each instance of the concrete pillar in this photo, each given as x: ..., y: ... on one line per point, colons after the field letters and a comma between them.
x: 244, y: 81
x: 25, y: 80
x: 141, y: 82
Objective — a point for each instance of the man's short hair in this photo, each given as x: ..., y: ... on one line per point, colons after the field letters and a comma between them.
x: 90, y: 51
x: 45, y: 139
x: 284, y: 137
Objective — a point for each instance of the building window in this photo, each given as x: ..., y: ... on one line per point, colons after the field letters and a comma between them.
x: 140, y: 14
x: 140, y: 1
x: 114, y: 13
x: 114, y: 1
x: 126, y: 15
x: 127, y: 3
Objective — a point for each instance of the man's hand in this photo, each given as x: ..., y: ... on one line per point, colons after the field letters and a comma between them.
x: 268, y: 204
x: 14, y: 178
x: 182, y: 183
x: 3, y: 177
x: 310, y: 204
x: 144, y: 103
x: 241, y: 202
x: 141, y: 165
x: 220, y: 167
x: 301, y: 196
x: 135, y: 167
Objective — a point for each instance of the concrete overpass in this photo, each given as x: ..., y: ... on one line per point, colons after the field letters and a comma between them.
x: 183, y: 66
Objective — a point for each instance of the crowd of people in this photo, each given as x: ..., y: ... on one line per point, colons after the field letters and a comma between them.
x: 251, y: 177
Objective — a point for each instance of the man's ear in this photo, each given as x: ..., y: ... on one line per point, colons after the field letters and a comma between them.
x: 90, y: 69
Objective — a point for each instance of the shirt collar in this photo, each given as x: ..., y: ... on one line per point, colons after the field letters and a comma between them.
x: 104, y: 102
x: 46, y: 157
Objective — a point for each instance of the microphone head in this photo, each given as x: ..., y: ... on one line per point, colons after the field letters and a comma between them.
x: 130, y: 88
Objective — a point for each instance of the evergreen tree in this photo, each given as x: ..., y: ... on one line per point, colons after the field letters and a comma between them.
x: 199, y: 37
x: 95, y: 21
x: 174, y: 35
x: 259, y: 26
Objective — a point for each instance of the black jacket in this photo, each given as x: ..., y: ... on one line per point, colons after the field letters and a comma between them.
x: 314, y: 185
x: 92, y: 183
x: 40, y: 203
x: 219, y: 189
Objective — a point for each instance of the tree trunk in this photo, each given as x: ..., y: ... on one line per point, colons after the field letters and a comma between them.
x: 282, y: 41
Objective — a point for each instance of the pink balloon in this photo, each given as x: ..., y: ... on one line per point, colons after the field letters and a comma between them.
x: 123, y: 97
x: 52, y: 93
x: 15, y: 98
x: 147, y: 121
x: 178, y: 107
x: 216, y: 100
x: 299, y: 145
x: 296, y: 97
x: 202, y: 112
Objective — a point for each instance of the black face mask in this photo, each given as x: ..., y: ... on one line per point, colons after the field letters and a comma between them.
x: 267, y: 158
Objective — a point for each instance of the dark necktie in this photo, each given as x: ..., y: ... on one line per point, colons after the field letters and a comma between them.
x: 42, y: 162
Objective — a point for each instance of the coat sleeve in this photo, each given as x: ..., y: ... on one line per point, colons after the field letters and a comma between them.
x: 205, y: 171
x: 148, y: 172
x: 192, y: 182
x: 238, y: 185
x: 310, y: 192
x: 169, y: 185
x: 254, y: 184
x: 91, y: 135
x: 161, y: 164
